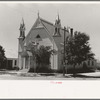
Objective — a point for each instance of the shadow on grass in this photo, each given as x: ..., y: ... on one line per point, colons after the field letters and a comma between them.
x: 47, y: 74
x: 84, y: 76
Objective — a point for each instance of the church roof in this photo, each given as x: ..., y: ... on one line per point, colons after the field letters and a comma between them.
x: 51, y: 27
x: 39, y: 26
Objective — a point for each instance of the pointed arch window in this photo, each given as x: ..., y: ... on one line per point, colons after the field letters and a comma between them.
x: 57, y: 32
x: 55, y: 29
x: 38, y: 38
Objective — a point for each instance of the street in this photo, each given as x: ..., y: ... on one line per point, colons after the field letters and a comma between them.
x: 16, y: 75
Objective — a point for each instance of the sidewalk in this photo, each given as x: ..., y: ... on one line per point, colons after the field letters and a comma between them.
x: 22, y: 74
x: 89, y: 75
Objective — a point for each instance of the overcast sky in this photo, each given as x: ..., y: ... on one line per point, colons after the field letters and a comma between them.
x: 81, y: 17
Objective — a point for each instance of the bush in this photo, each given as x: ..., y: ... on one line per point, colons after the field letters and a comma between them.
x: 77, y: 70
x: 16, y: 68
x: 81, y: 70
x: 60, y: 71
x: 42, y: 70
x: 98, y: 67
x: 31, y: 70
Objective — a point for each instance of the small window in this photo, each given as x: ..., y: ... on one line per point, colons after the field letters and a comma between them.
x: 21, y: 33
x: 55, y: 29
x: 58, y: 31
x: 15, y: 62
x: 92, y: 63
x: 38, y: 36
x: 88, y: 62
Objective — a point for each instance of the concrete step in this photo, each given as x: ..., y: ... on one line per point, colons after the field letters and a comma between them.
x: 24, y: 70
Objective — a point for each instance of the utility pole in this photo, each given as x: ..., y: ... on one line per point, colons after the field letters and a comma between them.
x: 64, y: 62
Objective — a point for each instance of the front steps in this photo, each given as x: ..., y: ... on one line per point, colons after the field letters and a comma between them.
x: 24, y: 70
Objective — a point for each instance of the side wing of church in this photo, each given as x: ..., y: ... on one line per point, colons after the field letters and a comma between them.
x: 42, y: 33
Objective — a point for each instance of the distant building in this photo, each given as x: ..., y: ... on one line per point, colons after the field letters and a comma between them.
x: 11, y: 63
x: 98, y: 64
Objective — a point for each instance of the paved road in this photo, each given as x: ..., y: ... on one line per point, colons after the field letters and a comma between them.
x: 13, y: 75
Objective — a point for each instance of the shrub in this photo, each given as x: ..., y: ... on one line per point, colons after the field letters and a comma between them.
x: 60, y: 71
x: 16, y: 68
x: 78, y: 70
x: 43, y: 69
x: 31, y: 70
x: 98, y: 67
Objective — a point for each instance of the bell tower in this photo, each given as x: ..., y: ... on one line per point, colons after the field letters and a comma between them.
x: 22, y: 29
x: 20, y: 44
x: 57, y: 26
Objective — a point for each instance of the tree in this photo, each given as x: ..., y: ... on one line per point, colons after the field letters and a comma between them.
x: 78, y: 49
x: 41, y: 55
x: 2, y: 56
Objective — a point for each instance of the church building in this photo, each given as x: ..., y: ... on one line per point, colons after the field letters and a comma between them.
x: 44, y: 33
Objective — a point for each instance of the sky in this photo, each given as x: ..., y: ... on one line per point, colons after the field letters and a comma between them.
x: 83, y: 17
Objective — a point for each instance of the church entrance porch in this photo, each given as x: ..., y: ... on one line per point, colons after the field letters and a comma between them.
x: 26, y: 60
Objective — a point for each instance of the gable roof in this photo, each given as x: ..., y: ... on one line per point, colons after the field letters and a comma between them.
x: 44, y: 24
x: 49, y: 27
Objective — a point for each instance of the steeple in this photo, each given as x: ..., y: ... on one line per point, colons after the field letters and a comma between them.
x: 57, y: 21
x: 57, y: 26
x: 22, y: 29
x: 38, y: 14
x: 22, y: 23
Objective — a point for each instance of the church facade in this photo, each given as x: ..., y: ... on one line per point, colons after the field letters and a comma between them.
x: 42, y: 33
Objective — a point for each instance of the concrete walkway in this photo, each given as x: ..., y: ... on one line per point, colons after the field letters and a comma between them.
x: 90, y: 75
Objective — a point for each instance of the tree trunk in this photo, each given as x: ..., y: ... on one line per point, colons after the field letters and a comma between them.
x: 64, y: 70
x: 35, y: 64
x: 74, y: 72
